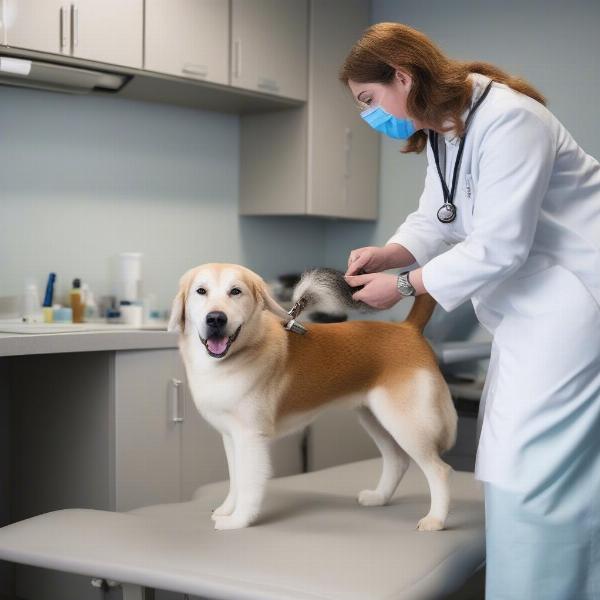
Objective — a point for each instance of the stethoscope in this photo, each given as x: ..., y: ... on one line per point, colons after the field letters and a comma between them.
x: 447, y: 212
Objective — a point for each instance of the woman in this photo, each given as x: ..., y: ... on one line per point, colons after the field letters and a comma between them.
x: 519, y: 201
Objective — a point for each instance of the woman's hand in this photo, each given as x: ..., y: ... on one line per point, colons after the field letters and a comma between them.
x: 369, y: 259
x: 380, y: 289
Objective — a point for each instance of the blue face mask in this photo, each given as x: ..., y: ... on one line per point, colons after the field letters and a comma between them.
x: 381, y: 120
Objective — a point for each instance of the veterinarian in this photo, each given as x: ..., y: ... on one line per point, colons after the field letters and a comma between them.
x: 517, y: 202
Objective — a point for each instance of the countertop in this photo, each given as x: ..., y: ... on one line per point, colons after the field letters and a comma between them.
x: 15, y: 344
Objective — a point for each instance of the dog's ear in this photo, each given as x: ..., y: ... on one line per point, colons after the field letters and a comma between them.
x: 261, y: 292
x: 177, y: 317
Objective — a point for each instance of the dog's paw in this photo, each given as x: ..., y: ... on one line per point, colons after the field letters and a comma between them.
x: 223, y: 511
x: 430, y: 523
x: 231, y: 522
x: 371, y: 498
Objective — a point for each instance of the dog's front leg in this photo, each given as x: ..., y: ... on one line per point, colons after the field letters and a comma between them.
x: 229, y: 504
x: 252, y: 470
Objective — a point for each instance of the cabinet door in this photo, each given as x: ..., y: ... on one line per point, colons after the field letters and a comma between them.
x: 109, y: 31
x: 189, y: 38
x: 147, y: 438
x: 270, y: 46
x: 343, y: 151
x: 35, y: 25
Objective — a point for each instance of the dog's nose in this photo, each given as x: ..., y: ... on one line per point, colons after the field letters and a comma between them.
x: 216, y: 319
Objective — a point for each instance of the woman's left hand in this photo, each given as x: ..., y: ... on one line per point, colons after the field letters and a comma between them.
x: 380, y: 289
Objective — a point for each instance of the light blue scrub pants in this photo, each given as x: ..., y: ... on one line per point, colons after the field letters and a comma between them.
x: 546, y: 544
x: 532, y: 554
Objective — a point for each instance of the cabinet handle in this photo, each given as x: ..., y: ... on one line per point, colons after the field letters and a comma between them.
x: 237, y: 59
x: 74, y: 25
x: 176, y: 404
x: 64, y: 28
x: 268, y: 84
x: 197, y: 70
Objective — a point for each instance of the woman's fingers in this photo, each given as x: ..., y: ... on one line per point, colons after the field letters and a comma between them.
x: 356, y: 266
x: 354, y: 280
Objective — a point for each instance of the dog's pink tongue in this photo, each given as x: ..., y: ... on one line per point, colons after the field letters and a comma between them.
x: 217, y: 345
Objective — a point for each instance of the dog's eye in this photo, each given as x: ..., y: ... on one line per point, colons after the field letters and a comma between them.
x: 235, y: 291
x: 201, y: 291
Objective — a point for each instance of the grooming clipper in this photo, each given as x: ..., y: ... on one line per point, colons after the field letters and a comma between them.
x: 292, y: 324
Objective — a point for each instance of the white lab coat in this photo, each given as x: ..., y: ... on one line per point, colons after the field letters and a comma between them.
x: 527, y: 253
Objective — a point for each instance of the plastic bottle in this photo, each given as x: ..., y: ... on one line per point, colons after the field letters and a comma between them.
x: 91, y: 313
x: 77, y: 302
x: 32, y: 307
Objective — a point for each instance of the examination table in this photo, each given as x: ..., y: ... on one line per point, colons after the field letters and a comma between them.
x: 313, y: 541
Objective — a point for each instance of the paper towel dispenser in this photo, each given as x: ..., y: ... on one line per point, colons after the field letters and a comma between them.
x: 33, y: 73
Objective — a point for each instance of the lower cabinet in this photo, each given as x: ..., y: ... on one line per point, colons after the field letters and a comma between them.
x: 108, y: 431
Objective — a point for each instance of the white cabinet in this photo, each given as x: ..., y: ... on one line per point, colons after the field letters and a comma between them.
x: 320, y: 159
x: 343, y: 151
x: 188, y: 38
x: 107, y: 31
x: 269, y: 46
x: 164, y: 450
x: 35, y: 25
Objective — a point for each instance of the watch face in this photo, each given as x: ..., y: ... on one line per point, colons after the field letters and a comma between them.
x: 405, y: 287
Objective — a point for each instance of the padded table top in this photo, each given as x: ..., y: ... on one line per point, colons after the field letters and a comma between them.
x: 312, y: 542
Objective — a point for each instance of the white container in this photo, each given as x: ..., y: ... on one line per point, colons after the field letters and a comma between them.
x: 129, y: 275
x: 32, y: 306
x: 132, y: 314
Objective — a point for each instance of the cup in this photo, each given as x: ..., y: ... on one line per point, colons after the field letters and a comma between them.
x: 129, y: 275
x: 131, y: 314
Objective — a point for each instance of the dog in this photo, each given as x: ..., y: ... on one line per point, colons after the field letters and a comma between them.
x: 254, y: 381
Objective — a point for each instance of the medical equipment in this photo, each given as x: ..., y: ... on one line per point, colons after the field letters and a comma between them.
x: 314, y: 541
x: 447, y: 212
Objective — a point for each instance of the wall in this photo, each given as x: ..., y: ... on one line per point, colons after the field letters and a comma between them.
x: 84, y: 178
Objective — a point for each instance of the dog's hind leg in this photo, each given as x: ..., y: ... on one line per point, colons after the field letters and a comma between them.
x: 412, y: 429
x: 229, y: 504
x: 252, y: 470
x: 395, y: 461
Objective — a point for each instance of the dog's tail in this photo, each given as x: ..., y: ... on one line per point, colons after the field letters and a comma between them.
x: 326, y: 290
x: 421, y: 311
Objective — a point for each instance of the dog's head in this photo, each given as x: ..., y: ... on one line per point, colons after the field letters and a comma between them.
x: 216, y: 301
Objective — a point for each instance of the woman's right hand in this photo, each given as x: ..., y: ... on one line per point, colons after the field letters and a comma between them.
x: 370, y: 259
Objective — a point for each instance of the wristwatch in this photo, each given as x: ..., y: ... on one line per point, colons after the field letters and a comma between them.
x: 404, y: 286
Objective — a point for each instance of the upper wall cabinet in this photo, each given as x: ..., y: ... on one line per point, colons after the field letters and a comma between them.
x: 320, y: 159
x: 35, y: 25
x: 269, y: 45
x: 343, y: 151
x: 109, y: 31
x: 188, y: 38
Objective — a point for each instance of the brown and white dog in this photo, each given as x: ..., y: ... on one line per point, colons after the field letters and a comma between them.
x: 254, y: 381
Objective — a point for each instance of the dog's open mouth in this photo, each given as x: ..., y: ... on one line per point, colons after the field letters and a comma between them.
x: 218, y: 347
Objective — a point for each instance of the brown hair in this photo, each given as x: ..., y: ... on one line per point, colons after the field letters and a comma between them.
x: 440, y: 89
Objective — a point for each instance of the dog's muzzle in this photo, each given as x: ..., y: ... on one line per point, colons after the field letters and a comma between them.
x: 218, y: 346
